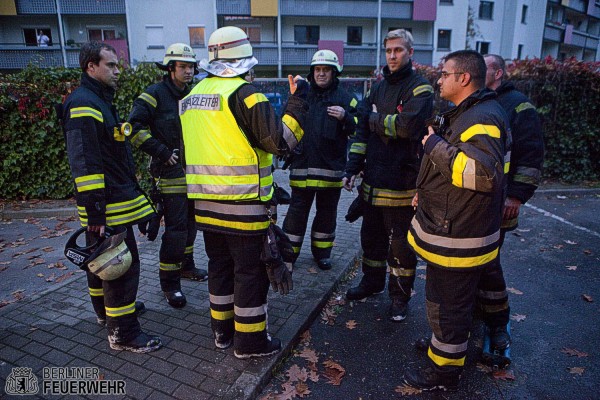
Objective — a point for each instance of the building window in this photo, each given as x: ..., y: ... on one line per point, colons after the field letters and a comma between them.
x: 306, y: 34
x: 524, y: 14
x: 30, y: 35
x: 253, y: 33
x: 196, y: 36
x: 483, y: 47
x: 354, y: 35
x: 446, y: 2
x: 154, y: 37
x: 394, y: 28
x: 486, y: 10
x: 100, y: 35
x: 519, y: 52
x: 443, y: 42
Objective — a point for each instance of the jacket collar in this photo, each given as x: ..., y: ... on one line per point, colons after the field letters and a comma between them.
x: 397, y: 76
x: 106, y: 93
x: 475, y: 97
x: 174, y: 89
x: 504, y: 87
x: 319, y: 91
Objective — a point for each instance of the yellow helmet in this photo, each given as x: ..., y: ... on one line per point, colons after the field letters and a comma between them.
x: 108, y: 258
x: 326, y: 57
x: 177, y: 52
x: 229, y: 43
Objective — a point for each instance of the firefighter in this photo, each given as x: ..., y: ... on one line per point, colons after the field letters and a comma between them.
x: 388, y: 147
x: 316, y: 171
x: 527, y: 158
x: 106, y: 189
x: 157, y: 132
x: 230, y: 133
x: 456, y: 229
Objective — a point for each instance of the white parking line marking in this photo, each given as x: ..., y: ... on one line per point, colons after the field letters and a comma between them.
x: 561, y: 219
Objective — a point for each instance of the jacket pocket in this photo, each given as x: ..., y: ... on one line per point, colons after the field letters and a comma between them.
x: 433, y: 212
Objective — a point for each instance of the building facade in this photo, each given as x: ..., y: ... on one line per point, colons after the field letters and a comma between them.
x: 286, y: 33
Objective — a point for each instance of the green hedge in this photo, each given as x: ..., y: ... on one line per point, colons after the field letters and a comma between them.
x: 34, y: 162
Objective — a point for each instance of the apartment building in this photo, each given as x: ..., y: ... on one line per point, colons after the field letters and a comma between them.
x: 286, y: 33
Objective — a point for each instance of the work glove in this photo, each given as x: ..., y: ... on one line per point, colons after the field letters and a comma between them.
x: 277, y: 246
x: 150, y: 227
x: 280, y: 277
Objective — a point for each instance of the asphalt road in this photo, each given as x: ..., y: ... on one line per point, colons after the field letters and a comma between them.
x: 552, y: 268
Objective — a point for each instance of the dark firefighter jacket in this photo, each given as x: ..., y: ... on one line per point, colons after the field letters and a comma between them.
x: 389, y: 140
x: 157, y: 131
x: 100, y: 158
x: 322, y: 159
x: 461, y: 186
x: 221, y: 119
x: 527, y: 155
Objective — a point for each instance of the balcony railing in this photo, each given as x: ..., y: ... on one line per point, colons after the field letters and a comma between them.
x: 329, y: 8
x: 71, y: 6
x: 12, y: 57
x: 355, y: 56
x: 553, y: 32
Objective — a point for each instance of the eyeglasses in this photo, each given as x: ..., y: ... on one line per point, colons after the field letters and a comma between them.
x: 445, y: 74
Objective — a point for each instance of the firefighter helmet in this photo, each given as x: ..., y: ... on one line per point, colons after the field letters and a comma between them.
x: 229, y: 43
x: 326, y: 57
x: 177, y: 52
x: 108, y: 258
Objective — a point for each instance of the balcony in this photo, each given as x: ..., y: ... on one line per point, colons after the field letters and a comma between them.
x: 19, y: 56
x: 578, y: 5
x: 71, y: 7
x: 581, y: 39
x: 329, y: 8
x: 354, y: 56
x: 554, y: 32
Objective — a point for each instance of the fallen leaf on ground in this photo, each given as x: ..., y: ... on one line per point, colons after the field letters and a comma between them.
x: 295, y: 374
x: 51, y: 278
x: 18, y: 294
x: 302, y: 389
x: 305, y: 337
x: 561, y: 197
x: 312, y: 374
x: 334, y: 372
x: 406, y: 390
x: 422, y: 276
x: 587, y: 252
x: 422, y: 267
x: 570, y: 242
x: 573, y: 352
x: 312, y: 270
x: 289, y: 392
x: 587, y: 298
x: 523, y: 230
x: 40, y: 275
x: 514, y: 291
x: 351, y: 324
x: 518, y: 317
x: 572, y: 267
x: 503, y: 375
x: 558, y: 246
x: 486, y: 369
x: 576, y: 370
x: 309, y: 355
x: 5, y: 262
x: 48, y: 248
x: 62, y: 277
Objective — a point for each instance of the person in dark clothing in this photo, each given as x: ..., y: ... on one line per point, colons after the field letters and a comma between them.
x: 107, y: 191
x: 526, y: 160
x: 388, y: 149
x: 230, y: 134
x: 456, y: 229
x: 157, y: 132
x: 316, y: 171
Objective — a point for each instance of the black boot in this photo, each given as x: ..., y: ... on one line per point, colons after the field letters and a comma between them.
x: 429, y: 379
x: 362, y: 291
x: 324, y: 264
x: 398, y: 310
x: 499, y: 338
x: 143, y: 343
x: 273, y: 346
x: 422, y: 344
x: 175, y: 298
x: 189, y: 270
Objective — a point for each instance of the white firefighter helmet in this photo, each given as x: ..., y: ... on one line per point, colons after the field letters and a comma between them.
x: 326, y: 57
x: 108, y: 258
x: 177, y: 52
x: 229, y: 43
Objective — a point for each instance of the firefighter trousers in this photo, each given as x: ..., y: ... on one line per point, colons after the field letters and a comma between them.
x: 115, y: 299
x: 322, y: 234
x: 238, y: 286
x: 177, y: 242
x: 383, y: 239
x: 449, y: 302
x: 492, y: 297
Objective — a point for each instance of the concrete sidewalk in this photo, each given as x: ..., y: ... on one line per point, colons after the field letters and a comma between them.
x: 57, y: 329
